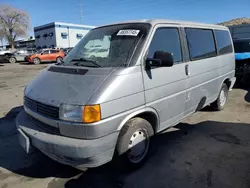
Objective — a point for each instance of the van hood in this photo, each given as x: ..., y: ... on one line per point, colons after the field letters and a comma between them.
x: 69, y: 85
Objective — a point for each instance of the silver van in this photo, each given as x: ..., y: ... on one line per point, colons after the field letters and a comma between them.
x: 146, y: 76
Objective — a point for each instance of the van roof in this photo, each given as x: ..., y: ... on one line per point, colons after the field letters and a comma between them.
x: 174, y: 22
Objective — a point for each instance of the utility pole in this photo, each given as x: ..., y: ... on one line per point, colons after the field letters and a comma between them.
x: 81, y: 13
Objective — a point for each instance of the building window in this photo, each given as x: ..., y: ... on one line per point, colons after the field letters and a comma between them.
x: 79, y: 36
x: 64, y: 35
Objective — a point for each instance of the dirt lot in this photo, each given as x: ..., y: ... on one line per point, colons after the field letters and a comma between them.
x: 210, y: 149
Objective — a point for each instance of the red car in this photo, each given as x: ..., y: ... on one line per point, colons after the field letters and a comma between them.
x: 46, y: 56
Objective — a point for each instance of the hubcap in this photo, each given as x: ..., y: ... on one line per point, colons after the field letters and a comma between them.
x: 223, y: 97
x: 36, y: 61
x: 59, y: 60
x: 12, y: 60
x: 138, y: 146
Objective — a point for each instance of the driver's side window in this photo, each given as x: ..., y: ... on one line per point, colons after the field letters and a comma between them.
x: 166, y: 40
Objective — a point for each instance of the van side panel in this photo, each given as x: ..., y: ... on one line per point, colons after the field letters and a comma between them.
x: 206, y: 77
x: 165, y: 91
x: 203, y: 83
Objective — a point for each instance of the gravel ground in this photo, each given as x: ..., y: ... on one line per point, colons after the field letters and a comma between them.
x: 209, y: 149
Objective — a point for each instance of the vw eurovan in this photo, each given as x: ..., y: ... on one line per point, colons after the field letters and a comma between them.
x: 145, y: 77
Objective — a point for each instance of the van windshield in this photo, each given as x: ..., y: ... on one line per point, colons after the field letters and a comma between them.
x: 109, y: 46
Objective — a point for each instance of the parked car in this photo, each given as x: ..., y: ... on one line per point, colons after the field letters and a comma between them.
x: 2, y: 52
x: 19, y: 55
x: 157, y: 72
x: 48, y: 55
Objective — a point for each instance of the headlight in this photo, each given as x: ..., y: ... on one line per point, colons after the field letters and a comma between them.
x: 76, y: 113
x: 69, y: 112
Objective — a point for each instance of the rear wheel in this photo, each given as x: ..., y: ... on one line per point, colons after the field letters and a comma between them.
x: 36, y: 61
x: 59, y: 59
x: 134, y: 142
x: 12, y: 60
x: 219, y: 104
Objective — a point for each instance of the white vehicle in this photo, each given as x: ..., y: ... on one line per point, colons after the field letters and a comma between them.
x: 2, y: 52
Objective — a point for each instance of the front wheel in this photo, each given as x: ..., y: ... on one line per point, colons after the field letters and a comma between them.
x: 134, y: 142
x: 37, y: 61
x: 219, y: 104
x: 12, y: 60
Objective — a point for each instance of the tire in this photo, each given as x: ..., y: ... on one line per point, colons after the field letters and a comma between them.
x: 36, y: 61
x: 59, y: 59
x: 220, y: 102
x: 12, y: 60
x: 134, y: 138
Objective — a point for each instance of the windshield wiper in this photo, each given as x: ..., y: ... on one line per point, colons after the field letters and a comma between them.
x: 85, y: 60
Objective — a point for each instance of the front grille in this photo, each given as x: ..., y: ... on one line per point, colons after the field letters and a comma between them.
x: 44, y: 109
x: 44, y: 127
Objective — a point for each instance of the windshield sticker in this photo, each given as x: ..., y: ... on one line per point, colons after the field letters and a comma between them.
x: 128, y: 32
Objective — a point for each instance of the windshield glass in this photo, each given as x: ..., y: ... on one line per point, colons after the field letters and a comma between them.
x: 38, y: 52
x: 110, y: 46
x: 242, y: 46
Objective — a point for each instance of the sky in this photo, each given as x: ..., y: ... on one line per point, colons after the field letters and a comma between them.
x: 99, y: 12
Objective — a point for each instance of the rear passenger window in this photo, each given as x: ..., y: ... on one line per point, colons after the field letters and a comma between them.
x: 54, y: 51
x: 166, y: 40
x: 200, y: 43
x: 224, y: 43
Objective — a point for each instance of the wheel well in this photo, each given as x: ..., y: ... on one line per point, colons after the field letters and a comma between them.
x: 227, y: 82
x: 151, y: 118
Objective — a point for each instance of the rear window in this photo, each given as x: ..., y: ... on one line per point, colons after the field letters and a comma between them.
x: 200, y: 43
x: 224, y: 43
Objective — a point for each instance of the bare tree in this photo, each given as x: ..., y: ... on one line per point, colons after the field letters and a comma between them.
x: 13, y: 23
x: 1, y: 37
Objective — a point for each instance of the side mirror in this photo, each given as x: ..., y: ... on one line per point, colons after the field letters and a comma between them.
x: 160, y: 59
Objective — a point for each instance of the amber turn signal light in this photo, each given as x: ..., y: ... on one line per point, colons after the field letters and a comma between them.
x: 91, y: 113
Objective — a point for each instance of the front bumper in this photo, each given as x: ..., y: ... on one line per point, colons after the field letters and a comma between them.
x: 70, y: 151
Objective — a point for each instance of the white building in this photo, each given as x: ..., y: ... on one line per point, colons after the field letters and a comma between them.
x: 58, y: 34
x: 240, y: 31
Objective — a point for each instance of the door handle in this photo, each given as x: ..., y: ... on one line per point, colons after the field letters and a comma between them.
x: 187, y: 70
